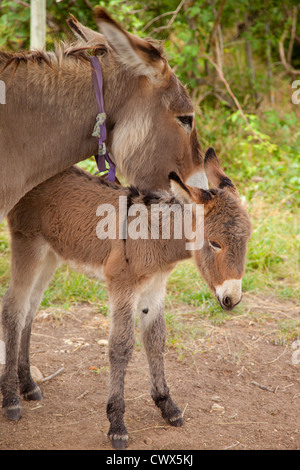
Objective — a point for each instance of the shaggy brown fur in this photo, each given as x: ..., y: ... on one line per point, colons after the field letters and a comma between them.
x: 58, y: 222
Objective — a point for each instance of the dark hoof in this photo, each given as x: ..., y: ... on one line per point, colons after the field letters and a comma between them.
x: 34, y: 395
x: 119, y: 444
x: 177, y: 423
x: 13, y: 414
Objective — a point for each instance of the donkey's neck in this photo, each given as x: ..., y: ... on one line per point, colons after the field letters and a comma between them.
x: 58, y: 109
x: 52, y: 106
x: 47, y: 121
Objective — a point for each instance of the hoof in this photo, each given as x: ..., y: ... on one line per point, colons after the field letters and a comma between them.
x: 13, y: 413
x: 119, y: 444
x: 34, y: 395
x: 177, y: 422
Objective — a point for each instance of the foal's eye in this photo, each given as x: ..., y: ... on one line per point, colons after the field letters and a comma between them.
x: 214, y: 245
x: 186, y: 121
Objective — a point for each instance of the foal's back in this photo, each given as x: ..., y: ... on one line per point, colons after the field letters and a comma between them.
x: 62, y: 211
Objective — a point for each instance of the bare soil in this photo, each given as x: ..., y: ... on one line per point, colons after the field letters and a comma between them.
x: 237, y: 384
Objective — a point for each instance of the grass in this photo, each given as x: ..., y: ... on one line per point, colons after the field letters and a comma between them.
x: 266, y: 172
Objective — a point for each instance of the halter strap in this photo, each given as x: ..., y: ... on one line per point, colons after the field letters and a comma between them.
x: 100, y: 127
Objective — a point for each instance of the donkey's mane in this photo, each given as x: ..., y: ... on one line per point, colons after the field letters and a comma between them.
x: 63, y: 51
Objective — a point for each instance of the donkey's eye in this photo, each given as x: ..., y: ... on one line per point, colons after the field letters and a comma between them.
x: 186, y: 121
x: 215, y: 245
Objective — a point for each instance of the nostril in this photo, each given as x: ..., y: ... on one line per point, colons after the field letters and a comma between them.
x: 227, y: 301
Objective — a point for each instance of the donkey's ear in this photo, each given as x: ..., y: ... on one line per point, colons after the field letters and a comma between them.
x: 85, y: 34
x: 179, y: 189
x: 215, y: 174
x: 135, y: 53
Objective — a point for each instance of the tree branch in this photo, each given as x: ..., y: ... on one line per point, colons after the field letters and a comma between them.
x: 284, y: 62
x: 293, y: 34
x: 217, y: 20
x: 221, y: 75
x: 88, y: 4
x: 269, y: 64
x: 213, y: 42
x: 24, y: 4
x: 174, y: 13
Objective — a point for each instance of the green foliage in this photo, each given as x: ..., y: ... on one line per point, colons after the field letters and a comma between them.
x: 14, y: 25
x: 187, y: 37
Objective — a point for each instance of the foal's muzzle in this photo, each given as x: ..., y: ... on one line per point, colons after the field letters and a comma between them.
x: 229, y: 294
x: 227, y: 303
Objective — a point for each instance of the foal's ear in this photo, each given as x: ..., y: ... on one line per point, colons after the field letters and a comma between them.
x: 215, y: 174
x: 85, y: 34
x: 188, y: 194
x: 179, y: 189
x: 135, y: 53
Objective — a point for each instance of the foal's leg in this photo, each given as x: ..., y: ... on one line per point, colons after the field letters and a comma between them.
x: 28, y: 388
x: 121, y: 343
x: 153, y: 331
x: 26, y: 258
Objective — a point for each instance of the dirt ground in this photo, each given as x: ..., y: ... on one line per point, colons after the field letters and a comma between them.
x: 237, y: 384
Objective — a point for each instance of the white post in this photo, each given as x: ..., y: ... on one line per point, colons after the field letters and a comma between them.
x: 2, y: 92
x: 37, y: 24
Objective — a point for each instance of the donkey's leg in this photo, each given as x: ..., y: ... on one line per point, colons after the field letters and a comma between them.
x: 28, y: 388
x: 153, y: 331
x: 25, y: 263
x: 121, y: 343
x: 13, y: 319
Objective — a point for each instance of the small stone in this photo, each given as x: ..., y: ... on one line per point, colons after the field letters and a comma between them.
x: 216, y: 398
x: 36, y: 374
x: 217, y: 408
x: 102, y: 342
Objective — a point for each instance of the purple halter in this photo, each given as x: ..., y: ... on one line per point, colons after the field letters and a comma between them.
x: 100, y: 127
